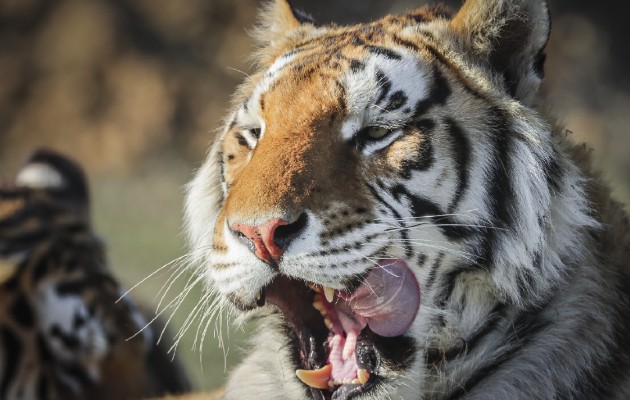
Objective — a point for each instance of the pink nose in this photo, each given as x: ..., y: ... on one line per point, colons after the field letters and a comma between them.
x: 263, y: 238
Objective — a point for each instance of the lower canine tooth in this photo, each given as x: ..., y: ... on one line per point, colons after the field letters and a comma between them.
x: 363, y: 376
x: 329, y: 293
x: 317, y: 378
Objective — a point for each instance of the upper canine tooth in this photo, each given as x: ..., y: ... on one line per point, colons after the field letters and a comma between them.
x: 329, y: 293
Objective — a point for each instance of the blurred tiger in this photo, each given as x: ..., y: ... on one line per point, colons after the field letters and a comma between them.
x: 391, y: 203
x: 63, y: 335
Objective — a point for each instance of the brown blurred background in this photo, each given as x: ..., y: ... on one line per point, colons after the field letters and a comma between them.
x: 134, y: 89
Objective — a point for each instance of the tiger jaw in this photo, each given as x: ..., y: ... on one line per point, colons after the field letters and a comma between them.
x: 335, y: 333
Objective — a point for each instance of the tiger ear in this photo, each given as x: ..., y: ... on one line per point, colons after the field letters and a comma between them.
x: 47, y: 169
x: 509, y: 35
x: 277, y: 19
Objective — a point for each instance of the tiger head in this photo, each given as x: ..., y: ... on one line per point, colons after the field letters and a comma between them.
x: 49, y: 194
x: 377, y: 186
x: 58, y: 298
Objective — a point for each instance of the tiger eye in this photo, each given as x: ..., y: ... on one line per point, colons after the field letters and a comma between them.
x: 377, y: 132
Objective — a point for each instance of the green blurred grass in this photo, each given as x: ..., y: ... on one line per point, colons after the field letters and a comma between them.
x: 139, y: 216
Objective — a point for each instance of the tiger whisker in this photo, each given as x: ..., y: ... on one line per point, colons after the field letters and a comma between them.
x: 166, y: 287
x: 403, y: 219
x: 238, y: 70
x: 467, y: 256
x: 151, y: 275
x: 177, y: 302
x: 429, y: 225
x: 192, y: 316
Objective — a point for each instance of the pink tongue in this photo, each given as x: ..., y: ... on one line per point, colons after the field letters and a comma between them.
x: 387, y: 301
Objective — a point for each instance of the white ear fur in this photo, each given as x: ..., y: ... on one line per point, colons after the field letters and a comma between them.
x: 39, y: 176
x: 510, y: 35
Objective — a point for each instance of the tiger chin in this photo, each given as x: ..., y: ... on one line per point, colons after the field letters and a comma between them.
x: 392, y: 205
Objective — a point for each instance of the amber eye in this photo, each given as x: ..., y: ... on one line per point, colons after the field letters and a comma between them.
x: 376, y: 132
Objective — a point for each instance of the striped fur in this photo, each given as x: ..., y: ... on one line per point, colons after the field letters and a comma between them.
x: 63, y: 334
x: 519, y: 251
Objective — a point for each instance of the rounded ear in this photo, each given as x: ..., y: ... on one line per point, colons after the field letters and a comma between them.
x: 48, y: 170
x: 510, y: 36
x: 277, y: 19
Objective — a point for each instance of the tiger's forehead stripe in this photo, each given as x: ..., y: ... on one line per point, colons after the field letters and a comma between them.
x: 371, y: 96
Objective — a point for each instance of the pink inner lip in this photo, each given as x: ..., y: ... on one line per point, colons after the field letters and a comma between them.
x: 387, y: 301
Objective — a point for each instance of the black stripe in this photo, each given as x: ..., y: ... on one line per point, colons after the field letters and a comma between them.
x: 422, y: 207
x: 422, y: 259
x: 384, y: 84
x: 382, y: 51
x: 403, y: 232
x: 242, y: 141
x: 501, y: 192
x: 405, y: 43
x: 78, y: 286
x: 221, y: 166
x: 21, y: 241
x: 261, y: 102
x: 43, y: 266
x: 72, y: 343
x: 425, y: 157
x: 462, y: 158
x: 12, y: 349
x: 356, y: 65
x: 520, y: 332
x: 444, y: 61
x: 439, y: 94
x: 396, y: 101
x: 447, y: 283
x: 22, y: 312
x: 492, y: 320
x: 434, y: 269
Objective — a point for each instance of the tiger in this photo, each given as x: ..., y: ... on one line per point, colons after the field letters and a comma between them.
x: 395, y: 208
x: 63, y: 332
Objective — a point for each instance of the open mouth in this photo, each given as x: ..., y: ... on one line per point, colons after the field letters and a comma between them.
x: 333, y: 332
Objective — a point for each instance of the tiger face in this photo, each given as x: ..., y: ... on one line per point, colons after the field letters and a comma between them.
x: 362, y: 199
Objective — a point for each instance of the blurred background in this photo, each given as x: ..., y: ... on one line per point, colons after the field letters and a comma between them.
x: 135, y: 89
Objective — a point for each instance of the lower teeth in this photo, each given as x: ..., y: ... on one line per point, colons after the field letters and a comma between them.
x: 320, y: 378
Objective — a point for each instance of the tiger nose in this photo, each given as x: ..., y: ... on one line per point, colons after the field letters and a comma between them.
x: 270, y: 239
